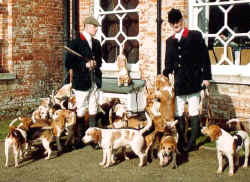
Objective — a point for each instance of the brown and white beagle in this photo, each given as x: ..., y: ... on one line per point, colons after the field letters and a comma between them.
x: 112, y: 139
x: 228, y: 145
x: 168, y: 151
x: 18, y: 137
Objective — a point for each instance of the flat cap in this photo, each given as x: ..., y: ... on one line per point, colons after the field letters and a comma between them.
x: 91, y: 20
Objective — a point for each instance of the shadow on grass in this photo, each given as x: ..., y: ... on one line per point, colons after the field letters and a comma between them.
x: 36, y: 154
x: 204, y: 141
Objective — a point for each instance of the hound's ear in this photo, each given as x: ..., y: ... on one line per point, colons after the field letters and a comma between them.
x: 215, y: 133
x: 171, y: 79
x: 45, y: 101
x: 125, y: 116
x: 97, y: 136
x: 218, y: 134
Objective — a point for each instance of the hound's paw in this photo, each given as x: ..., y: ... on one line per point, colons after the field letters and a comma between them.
x: 106, y: 166
x: 175, y: 166
x: 218, y: 172
x: 127, y: 158
x: 141, y: 165
x: 101, y: 163
x: 113, y: 162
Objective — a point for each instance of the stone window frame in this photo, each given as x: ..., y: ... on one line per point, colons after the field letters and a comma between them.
x: 9, y: 75
x: 232, y: 73
x: 110, y: 69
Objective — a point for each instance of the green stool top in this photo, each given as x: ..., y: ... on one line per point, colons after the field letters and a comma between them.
x: 110, y: 85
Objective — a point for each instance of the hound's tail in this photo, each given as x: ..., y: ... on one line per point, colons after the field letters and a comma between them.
x: 14, y: 121
x: 148, y: 125
x: 41, y: 125
x: 238, y: 120
x: 233, y: 120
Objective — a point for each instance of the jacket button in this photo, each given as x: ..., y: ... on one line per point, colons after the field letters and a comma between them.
x: 179, y: 48
x: 179, y: 56
x: 179, y: 65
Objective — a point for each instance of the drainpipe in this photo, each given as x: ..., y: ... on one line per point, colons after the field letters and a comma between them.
x: 66, y: 21
x: 159, y: 22
x: 66, y: 5
x: 75, y: 28
x: 75, y: 18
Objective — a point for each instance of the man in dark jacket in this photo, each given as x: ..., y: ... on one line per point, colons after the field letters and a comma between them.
x: 187, y: 57
x: 85, y: 73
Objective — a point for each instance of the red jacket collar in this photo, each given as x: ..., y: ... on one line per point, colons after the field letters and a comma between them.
x: 184, y: 34
x: 82, y: 36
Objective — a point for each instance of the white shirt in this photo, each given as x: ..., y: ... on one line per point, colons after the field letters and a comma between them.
x: 88, y: 38
x: 179, y: 35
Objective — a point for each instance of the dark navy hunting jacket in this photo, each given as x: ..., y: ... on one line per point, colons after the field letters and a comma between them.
x: 81, y: 75
x: 188, y: 59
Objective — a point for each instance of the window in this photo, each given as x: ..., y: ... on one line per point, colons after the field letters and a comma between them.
x: 226, y: 29
x: 120, y: 29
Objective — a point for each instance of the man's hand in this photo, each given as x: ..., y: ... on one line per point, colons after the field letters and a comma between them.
x: 91, y: 64
x: 205, y: 83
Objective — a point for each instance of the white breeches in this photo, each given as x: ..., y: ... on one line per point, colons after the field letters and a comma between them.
x: 87, y: 100
x: 193, y: 101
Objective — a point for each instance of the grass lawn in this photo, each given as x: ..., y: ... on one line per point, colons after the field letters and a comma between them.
x: 204, y: 141
x: 4, y: 128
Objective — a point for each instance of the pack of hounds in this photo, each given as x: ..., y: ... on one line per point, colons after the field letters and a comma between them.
x: 152, y: 136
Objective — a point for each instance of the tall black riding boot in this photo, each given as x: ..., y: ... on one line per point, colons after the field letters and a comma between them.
x: 79, y: 132
x: 195, y: 131
x: 92, y: 120
x: 181, y: 132
x: 93, y: 123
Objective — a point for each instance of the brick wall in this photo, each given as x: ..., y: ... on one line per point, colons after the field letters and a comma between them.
x: 32, y: 40
x: 32, y: 35
x: 230, y: 100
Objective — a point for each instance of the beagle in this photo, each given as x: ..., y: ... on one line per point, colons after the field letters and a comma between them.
x: 42, y: 112
x: 239, y: 124
x: 168, y: 151
x: 113, y: 139
x: 123, y: 75
x: 63, y: 119
x: 18, y: 137
x: 228, y: 145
